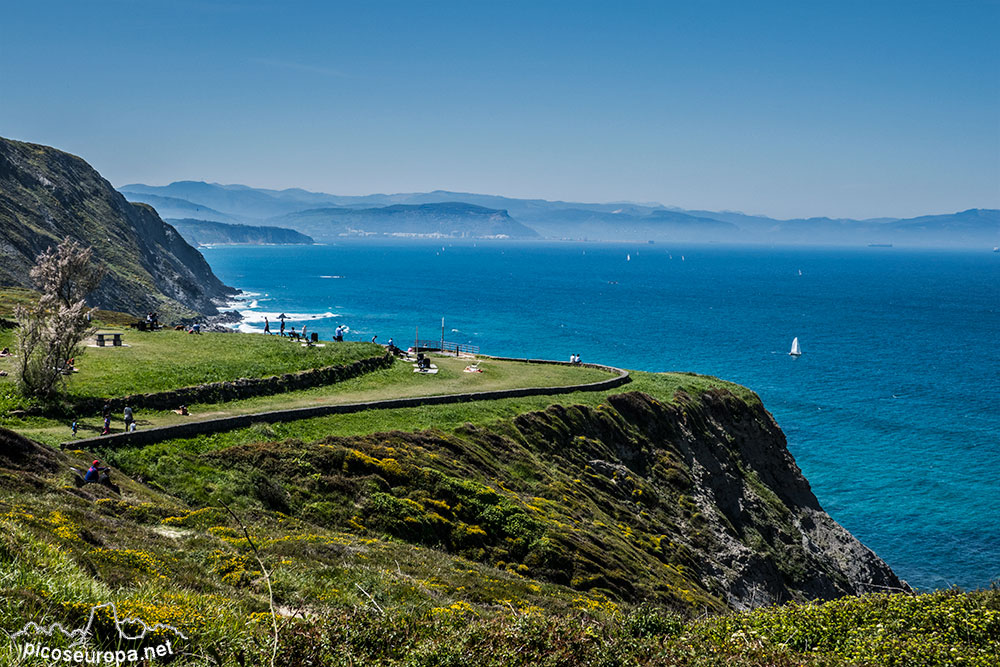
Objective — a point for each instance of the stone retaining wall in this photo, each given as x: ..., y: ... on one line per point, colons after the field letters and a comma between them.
x: 217, y: 392
x: 150, y: 436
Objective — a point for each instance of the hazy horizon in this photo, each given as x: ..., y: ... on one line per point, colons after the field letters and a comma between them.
x: 549, y: 199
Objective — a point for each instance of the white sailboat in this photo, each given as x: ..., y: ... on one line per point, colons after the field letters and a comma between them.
x: 796, y: 351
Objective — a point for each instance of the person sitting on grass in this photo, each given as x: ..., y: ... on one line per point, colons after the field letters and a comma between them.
x: 94, y: 473
x: 98, y: 475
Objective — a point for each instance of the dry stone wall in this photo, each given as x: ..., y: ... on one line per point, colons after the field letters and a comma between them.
x: 217, y: 392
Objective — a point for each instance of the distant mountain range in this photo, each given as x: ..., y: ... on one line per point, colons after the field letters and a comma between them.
x: 441, y: 213
x: 441, y: 220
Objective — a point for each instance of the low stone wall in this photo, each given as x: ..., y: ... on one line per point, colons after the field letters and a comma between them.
x: 192, y: 429
x: 217, y: 392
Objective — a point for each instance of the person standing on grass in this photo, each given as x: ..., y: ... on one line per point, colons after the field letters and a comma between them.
x: 282, y: 331
x: 107, y: 425
x: 129, y: 419
x: 267, y: 327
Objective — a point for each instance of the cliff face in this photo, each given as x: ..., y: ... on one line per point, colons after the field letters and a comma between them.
x: 693, y: 503
x: 208, y: 231
x: 47, y: 195
x: 768, y: 540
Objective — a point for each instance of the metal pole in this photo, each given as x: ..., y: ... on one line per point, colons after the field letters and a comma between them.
x: 442, y: 335
x: 416, y: 341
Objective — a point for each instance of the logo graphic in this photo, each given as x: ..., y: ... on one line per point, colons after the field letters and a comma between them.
x: 77, y: 652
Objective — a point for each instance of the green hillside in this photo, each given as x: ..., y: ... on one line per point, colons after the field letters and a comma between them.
x: 604, y: 528
x: 47, y: 195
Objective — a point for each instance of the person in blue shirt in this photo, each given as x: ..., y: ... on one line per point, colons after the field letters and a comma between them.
x: 94, y: 472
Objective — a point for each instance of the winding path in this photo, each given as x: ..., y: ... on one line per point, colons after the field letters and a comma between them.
x: 156, y: 434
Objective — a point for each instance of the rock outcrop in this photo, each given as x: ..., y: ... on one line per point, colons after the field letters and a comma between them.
x: 47, y: 195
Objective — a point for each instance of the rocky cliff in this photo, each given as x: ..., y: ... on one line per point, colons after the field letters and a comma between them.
x: 47, y: 195
x: 692, y: 502
x: 208, y: 231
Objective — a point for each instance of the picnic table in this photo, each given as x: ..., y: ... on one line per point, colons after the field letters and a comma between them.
x: 116, y: 339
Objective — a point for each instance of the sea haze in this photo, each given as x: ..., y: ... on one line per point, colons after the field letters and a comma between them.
x: 891, y: 412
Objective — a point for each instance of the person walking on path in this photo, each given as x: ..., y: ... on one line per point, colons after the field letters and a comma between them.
x: 129, y: 419
x: 282, y: 331
x: 267, y: 327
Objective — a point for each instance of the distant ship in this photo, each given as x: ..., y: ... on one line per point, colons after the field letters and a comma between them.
x: 796, y: 350
x: 996, y: 249
x: 879, y: 245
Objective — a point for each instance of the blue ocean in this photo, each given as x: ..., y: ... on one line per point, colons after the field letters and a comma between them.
x: 891, y: 411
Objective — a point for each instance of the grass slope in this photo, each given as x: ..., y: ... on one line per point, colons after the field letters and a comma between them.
x: 360, y: 595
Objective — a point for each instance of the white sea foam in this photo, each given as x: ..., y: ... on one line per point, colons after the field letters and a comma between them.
x: 331, y: 277
x: 259, y: 315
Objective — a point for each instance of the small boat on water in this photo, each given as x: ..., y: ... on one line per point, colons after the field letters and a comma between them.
x: 796, y: 350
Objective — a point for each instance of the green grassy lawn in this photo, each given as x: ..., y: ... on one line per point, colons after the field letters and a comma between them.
x: 164, y: 360
x: 399, y: 381
x: 448, y: 417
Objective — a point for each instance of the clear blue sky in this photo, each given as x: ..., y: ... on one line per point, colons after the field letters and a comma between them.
x: 801, y: 108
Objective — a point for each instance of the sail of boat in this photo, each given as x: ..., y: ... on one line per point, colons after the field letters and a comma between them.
x: 796, y: 351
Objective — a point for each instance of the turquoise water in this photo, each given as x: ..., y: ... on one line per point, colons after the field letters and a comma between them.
x: 891, y: 412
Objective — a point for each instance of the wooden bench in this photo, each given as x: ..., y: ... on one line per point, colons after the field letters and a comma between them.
x: 116, y: 339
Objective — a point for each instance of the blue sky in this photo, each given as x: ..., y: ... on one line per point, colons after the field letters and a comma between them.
x: 857, y: 109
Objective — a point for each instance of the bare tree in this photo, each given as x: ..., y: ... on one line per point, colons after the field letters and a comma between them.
x: 51, y: 331
x: 66, y: 273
